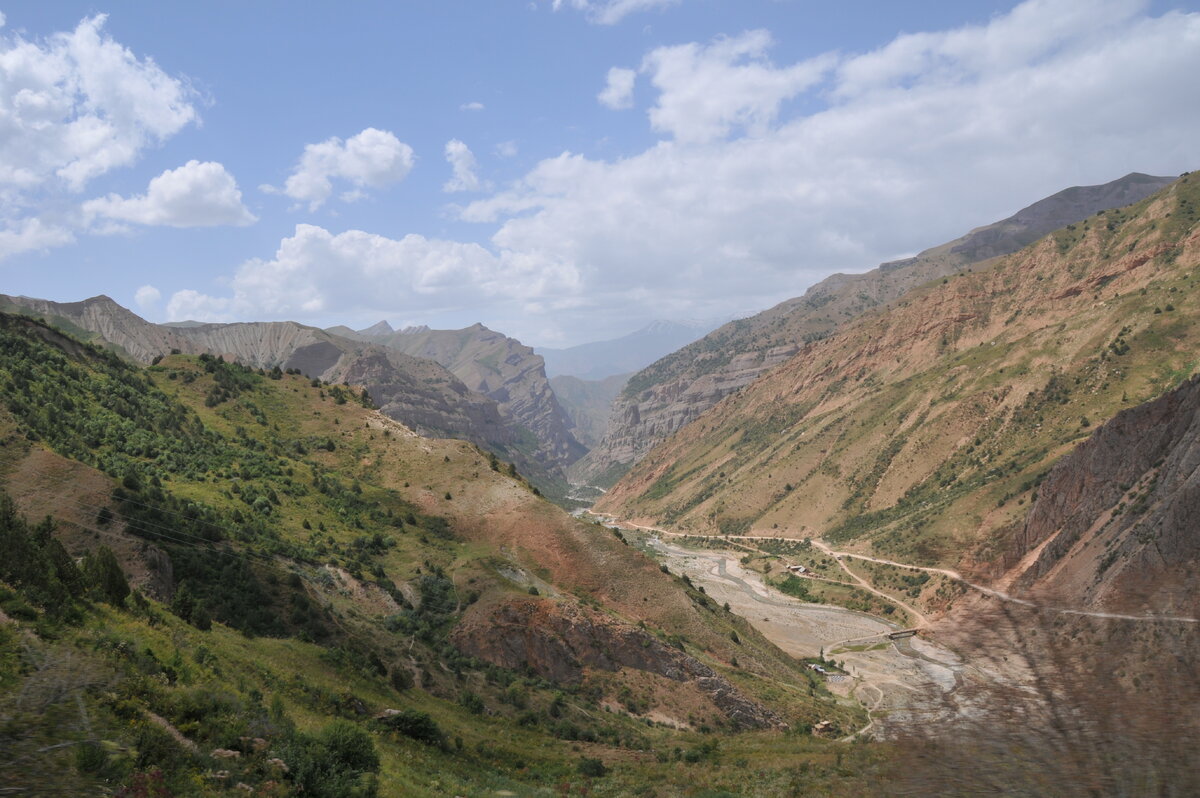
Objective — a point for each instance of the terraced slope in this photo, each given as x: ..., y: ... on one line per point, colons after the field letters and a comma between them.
x: 924, y: 427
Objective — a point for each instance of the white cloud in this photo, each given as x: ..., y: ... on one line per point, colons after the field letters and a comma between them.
x: 610, y: 12
x: 707, y: 91
x: 462, y: 161
x: 771, y: 176
x: 506, y: 149
x: 194, y: 195
x: 147, y: 297
x: 316, y: 271
x: 471, y: 106
x: 78, y: 105
x: 618, y: 89
x: 31, y: 235
x: 372, y: 159
x: 752, y: 198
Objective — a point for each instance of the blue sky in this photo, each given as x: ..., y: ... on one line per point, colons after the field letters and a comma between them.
x: 561, y: 170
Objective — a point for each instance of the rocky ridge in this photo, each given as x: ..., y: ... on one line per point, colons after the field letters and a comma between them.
x: 674, y: 391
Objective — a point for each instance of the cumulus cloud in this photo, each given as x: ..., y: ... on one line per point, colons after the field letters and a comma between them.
x: 707, y: 91
x: 471, y: 106
x: 618, y: 90
x: 315, y: 271
x: 610, y: 12
x: 78, y: 105
x: 32, y: 235
x: 462, y: 161
x: 750, y: 198
x: 147, y: 297
x: 194, y: 195
x: 372, y: 159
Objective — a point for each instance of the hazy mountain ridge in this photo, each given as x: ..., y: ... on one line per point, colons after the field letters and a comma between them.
x: 677, y: 389
x: 587, y: 403
x: 926, y: 425
x: 600, y: 360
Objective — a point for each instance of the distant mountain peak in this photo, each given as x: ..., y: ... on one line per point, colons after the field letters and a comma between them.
x: 377, y: 329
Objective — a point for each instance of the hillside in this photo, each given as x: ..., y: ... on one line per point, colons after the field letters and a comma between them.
x: 500, y: 368
x: 922, y: 428
x: 676, y: 390
x: 324, y: 602
x: 417, y: 391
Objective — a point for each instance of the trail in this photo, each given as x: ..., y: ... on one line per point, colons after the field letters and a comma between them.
x: 955, y: 575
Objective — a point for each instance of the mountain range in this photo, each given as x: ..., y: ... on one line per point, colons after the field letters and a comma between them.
x: 675, y: 390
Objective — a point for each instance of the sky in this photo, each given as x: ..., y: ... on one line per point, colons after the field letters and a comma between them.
x: 563, y: 171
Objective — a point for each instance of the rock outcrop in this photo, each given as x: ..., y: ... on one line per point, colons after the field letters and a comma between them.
x: 676, y: 390
x: 559, y: 641
x: 1117, y: 522
x: 500, y: 368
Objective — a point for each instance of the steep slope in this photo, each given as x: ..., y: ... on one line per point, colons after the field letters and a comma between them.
x: 329, y: 563
x: 587, y: 403
x: 1114, y: 524
x: 499, y: 367
x: 599, y: 360
x: 674, y: 391
x: 925, y: 425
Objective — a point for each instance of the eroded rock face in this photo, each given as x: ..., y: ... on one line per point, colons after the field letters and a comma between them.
x: 1118, y: 519
x: 680, y: 387
x: 500, y: 368
x: 558, y: 641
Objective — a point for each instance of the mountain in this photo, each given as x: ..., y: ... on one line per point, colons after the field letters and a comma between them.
x: 923, y: 427
x: 414, y: 390
x: 676, y: 390
x: 496, y: 366
x: 243, y: 577
x: 587, y: 403
x: 602, y: 359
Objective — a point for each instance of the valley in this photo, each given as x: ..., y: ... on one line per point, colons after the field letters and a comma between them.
x: 972, y: 494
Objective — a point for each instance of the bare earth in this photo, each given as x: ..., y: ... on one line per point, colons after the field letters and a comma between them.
x: 886, y: 676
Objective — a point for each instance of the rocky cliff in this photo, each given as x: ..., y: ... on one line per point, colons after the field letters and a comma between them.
x: 500, y: 368
x: 677, y: 389
x: 1117, y: 522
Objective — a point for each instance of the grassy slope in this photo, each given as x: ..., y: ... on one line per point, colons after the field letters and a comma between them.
x: 925, y: 427
x: 379, y: 504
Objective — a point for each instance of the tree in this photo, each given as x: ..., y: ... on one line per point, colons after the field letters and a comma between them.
x: 103, y: 575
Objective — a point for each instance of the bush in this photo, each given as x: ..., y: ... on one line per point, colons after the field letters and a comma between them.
x: 594, y: 768
x: 417, y: 725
